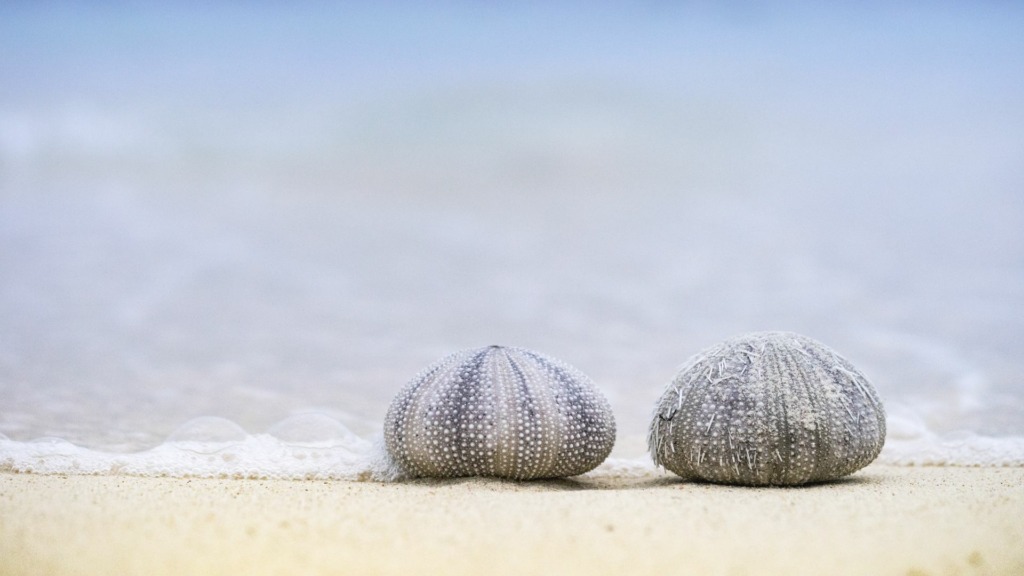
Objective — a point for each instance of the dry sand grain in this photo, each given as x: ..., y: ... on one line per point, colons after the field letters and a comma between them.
x: 883, y: 520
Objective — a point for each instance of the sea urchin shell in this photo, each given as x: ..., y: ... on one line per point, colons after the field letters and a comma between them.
x: 768, y: 408
x: 500, y: 412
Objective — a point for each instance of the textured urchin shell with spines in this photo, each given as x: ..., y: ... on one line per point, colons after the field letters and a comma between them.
x: 768, y: 408
x: 500, y: 412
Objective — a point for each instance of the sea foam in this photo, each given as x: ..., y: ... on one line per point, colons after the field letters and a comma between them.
x: 301, y: 447
x: 318, y: 447
x: 910, y: 442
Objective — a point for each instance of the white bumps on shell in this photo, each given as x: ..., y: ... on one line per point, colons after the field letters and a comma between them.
x: 768, y: 408
x: 500, y: 412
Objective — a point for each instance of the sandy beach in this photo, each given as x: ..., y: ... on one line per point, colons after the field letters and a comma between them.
x: 883, y: 520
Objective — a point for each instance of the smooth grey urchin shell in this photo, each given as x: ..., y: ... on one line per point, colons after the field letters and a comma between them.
x: 768, y: 408
x: 499, y: 412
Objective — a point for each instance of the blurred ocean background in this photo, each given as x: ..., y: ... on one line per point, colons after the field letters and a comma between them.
x: 229, y: 221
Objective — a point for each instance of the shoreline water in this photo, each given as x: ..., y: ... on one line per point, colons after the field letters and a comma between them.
x: 203, y: 222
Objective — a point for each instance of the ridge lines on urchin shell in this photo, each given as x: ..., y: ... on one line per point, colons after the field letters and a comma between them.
x: 782, y: 409
x: 499, y: 411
